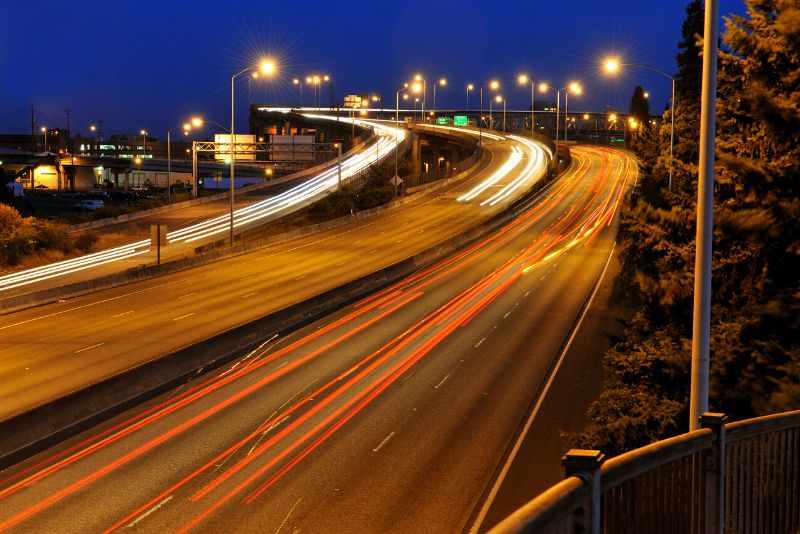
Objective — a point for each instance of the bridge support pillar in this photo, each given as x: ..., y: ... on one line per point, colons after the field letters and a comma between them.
x: 585, y: 464
x: 416, y: 160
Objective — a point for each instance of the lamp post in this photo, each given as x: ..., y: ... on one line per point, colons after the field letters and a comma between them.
x: 523, y: 79
x: 396, y: 128
x: 186, y: 127
x: 144, y: 142
x: 470, y: 87
x: 442, y: 83
x: 268, y: 68
x: 613, y: 66
x: 44, y: 130
x: 299, y: 83
x: 493, y: 85
x: 701, y: 324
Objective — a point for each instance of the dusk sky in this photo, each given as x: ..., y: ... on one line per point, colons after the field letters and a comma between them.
x: 151, y: 64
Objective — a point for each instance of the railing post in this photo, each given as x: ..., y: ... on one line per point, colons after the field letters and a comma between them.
x: 585, y: 464
x: 714, y: 519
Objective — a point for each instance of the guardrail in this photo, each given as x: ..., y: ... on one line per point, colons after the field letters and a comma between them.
x: 739, y: 477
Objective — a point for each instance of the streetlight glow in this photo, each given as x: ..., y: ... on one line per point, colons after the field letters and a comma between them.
x: 611, y: 65
x: 416, y: 87
x: 522, y: 79
x: 498, y: 99
x: 197, y: 122
x: 470, y: 87
x: 575, y: 88
x: 443, y: 82
x: 268, y: 66
x: 543, y: 87
x: 494, y: 84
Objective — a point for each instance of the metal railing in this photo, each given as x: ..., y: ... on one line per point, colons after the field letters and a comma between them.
x: 739, y: 477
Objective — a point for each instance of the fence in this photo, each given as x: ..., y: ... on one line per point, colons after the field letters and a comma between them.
x: 740, y: 477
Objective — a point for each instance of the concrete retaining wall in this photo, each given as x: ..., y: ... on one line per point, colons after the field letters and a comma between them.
x: 32, y: 431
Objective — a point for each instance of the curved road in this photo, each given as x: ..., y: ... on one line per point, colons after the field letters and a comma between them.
x: 389, y: 416
x: 49, y: 351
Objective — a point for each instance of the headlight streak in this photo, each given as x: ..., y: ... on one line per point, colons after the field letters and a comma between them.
x: 303, y: 192
x: 513, y: 159
x: 438, y: 325
x: 534, y: 170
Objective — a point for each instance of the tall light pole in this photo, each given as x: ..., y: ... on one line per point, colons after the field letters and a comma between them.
x: 575, y: 89
x: 299, y: 83
x: 268, y: 68
x: 442, y: 83
x: 44, y: 130
x: 524, y: 79
x: 186, y: 127
x: 701, y: 324
x: 396, y: 129
x: 613, y: 66
x: 470, y: 87
x: 493, y: 85
x: 144, y: 142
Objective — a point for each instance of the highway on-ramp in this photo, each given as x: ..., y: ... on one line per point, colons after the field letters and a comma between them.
x: 391, y: 415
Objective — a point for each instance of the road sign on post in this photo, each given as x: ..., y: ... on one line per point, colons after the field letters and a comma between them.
x: 460, y: 120
x: 442, y: 120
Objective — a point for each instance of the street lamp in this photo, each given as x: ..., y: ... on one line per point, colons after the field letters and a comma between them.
x: 415, y: 88
x: 44, y: 130
x: 470, y: 87
x: 299, y: 83
x: 523, y: 79
x: 613, y: 65
x: 493, y: 85
x: 144, y: 141
x: 442, y: 83
x: 196, y: 121
x: 267, y: 67
x: 575, y: 89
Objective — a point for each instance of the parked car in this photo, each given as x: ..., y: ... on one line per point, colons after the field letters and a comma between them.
x: 97, y: 194
x: 69, y: 193
x: 88, y: 205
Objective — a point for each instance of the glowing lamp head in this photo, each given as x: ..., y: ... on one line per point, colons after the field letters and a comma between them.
x: 586, y: 116
x: 405, y: 97
x: 137, y: 160
x: 494, y: 84
x: 443, y: 82
x: 612, y: 117
x: 543, y: 87
x: 187, y: 127
x: 522, y: 79
x: 418, y: 78
x: 498, y: 99
x: 326, y: 78
x: 416, y: 88
x: 316, y: 79
x: 142, y: 132
x: 308, y: 79
x: 575, y: 88
x: 470, y: 87
x: 611, y: 65
x: 197, y: 122
x: 296, y: 81
x: 268, y: 67
x: 44, y: 128
x: 646, y: 94
x: 93, y: 128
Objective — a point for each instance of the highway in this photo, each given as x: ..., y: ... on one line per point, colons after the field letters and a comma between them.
x: 391, y: 415
x: 247, y: 214
x: 87, y: 339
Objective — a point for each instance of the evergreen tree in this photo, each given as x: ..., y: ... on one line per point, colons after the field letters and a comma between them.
x: 755, y: 334
x: 689, y: 59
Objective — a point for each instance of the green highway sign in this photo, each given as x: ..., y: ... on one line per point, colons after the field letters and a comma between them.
x: 460, y: 120
x: 442, y: 120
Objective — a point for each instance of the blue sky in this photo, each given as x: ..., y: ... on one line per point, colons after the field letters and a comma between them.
x: 150, y: 64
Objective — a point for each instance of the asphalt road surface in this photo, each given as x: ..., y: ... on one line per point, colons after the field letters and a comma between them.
x: 49, y: 351
x: 391, y: 415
